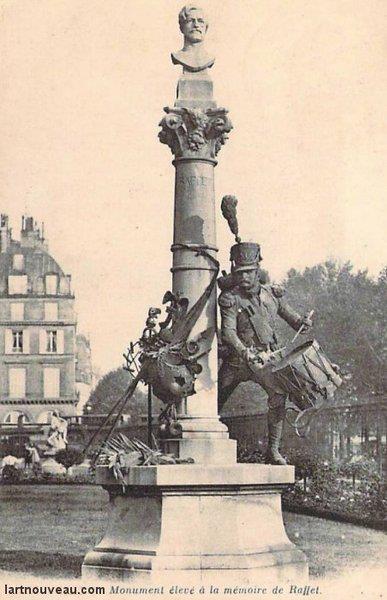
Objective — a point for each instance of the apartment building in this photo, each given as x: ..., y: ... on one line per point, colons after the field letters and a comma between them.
x: 38, y: 343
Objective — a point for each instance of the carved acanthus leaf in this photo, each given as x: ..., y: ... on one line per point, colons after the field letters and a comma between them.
x: 195, y: 133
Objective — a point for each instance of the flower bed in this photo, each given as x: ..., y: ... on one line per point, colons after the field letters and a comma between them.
x: 349, y: 491
x: 362, y: 505
x: 13, y: 476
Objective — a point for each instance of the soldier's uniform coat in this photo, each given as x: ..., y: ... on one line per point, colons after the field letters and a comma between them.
x: 248, y: 321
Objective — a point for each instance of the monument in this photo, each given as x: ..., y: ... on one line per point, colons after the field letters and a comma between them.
x: 214, y: 520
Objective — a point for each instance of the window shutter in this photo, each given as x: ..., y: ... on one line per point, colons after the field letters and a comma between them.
x: 42, y: 341
x: 51, y: 285
x: 26, y: 341
x: 8, y: 341
x: 60, y: 341
x: 17, y: 382
x: 51, y: 382
x: 18, y: 262
x: 17, y: 284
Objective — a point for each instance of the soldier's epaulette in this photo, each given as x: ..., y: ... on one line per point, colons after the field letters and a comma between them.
x: 226, y: 299
x: 278, y: 290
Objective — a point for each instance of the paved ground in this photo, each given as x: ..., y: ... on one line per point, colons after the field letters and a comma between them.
x: 46, y: 530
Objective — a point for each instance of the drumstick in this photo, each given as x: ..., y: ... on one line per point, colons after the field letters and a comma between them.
x: 309, y: 316
x: 279, y: 350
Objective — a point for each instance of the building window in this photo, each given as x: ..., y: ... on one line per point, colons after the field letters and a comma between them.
x: 50, y: 311
x: 52, y: 341
x: 17, y: 341
x: 17, y: 311
x: 18, y: 262
x: 51, y: 285
x: 51, y: 382
x: 13, y: 417
x: 17, y: 382
x: 17, y: 284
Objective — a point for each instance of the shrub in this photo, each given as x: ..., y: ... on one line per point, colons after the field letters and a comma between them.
x: 10, y: 474
x: 358, y: 467
x: 306, y: 464
x: 68, y: 457
x: 246, y: 455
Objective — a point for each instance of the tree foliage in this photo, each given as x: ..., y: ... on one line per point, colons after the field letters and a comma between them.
x: 349, y: 322
x: 111, y: 387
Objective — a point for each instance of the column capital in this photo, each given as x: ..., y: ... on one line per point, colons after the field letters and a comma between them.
x: 195, y: 133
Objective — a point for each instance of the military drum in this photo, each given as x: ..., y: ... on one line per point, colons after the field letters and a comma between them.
x: 307, y: 375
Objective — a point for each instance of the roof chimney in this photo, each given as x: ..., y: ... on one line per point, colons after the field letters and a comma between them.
x: 5, y: 233
x: 27, y: 224
x: 30, y: 234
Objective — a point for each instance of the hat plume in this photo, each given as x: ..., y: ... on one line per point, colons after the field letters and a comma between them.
x: 228, y: 207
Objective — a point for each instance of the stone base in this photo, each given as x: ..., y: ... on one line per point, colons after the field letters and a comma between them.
x: 195, y: 90
x: 205, y: 450
x: 197, y: 524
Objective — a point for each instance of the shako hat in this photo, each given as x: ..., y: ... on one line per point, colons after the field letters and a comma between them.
x: 245, y: 256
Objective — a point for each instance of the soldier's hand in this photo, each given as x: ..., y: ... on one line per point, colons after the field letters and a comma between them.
x: 307, y: 322
x: 250, y: 355
x: 259, y: 359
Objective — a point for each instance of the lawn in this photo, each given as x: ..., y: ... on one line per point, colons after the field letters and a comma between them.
x: 46, y: 530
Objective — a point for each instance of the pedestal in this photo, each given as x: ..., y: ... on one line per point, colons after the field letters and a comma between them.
x: 195, y: 524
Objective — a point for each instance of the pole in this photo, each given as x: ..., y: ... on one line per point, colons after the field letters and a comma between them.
x: 149, y: 415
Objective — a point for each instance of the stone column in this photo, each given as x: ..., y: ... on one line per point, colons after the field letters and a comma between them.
x: 195, y: 129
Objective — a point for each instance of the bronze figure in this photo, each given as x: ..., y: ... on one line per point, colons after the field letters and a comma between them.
x: 249, y: 310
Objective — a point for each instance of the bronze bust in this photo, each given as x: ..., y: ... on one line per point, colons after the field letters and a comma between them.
x: 193, y: 25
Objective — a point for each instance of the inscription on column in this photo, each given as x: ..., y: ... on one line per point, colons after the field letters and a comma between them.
x: 189, y: 182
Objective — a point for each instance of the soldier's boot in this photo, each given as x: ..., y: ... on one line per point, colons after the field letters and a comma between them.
x: 275, y: 426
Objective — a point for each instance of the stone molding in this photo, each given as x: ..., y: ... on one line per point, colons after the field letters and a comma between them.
x: 196, y: 475
x: 48, y: 401
x: 195, y: 133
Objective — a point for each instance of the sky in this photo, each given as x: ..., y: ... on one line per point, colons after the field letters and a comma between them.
x: 83, y: 90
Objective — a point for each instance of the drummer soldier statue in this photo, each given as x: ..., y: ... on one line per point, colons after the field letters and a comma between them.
x: 248, y: 312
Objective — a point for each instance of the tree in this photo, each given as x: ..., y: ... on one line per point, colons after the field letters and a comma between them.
x: 350, y: 319
x: 382, y: 279
x: 111, y: 387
